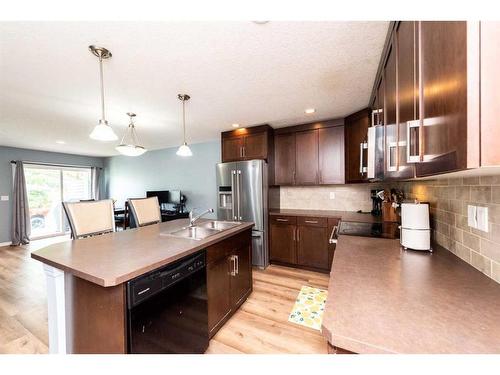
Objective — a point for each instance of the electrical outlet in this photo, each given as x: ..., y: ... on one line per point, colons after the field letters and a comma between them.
x: 472, y: 216
x: 482, y: 218
x: 4, y: 198
x: 332, y: 195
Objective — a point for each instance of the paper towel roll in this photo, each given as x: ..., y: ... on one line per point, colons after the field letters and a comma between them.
x: 415, y: 215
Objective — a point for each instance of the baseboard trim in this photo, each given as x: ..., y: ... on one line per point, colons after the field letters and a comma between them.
x: 5, y: 243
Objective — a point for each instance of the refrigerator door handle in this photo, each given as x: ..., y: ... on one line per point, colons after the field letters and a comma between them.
x: 233, y: 193
x: 238, y: 188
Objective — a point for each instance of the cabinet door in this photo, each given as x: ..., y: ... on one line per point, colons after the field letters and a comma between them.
x: 443, y: 105
x: 218, y: 292
x: 312, y: 249
x: 490, y: 93
x: 255, y: 146
x: 306, y: 157
x: 331, y: 155
x: 391, y: 131
x: 284, y: 159
x: 282, y: 243
x: 407, y: 93
x: 232, y: 149
x: 356, y: 132
x: 241, y: 280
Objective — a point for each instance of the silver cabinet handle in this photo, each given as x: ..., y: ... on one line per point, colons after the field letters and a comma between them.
x: 409, y: 126
x: 333, y: 235
x: 311, y: 221
x: 284, y: 220
x: 237, y: 264
x: 298, y: 234
x: 232, y: 261
x: 294, y: 234
x: 362, y: 146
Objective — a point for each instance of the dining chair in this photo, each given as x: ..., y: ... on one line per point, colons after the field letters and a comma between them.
x: 144, y: 211
x: 90, y: 218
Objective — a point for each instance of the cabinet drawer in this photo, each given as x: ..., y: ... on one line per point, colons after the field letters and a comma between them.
x: 313, y: 221
x: 283, y: 220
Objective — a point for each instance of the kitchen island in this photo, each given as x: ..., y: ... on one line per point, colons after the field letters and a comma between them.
x: 382, y: 299
x: 86, y: 280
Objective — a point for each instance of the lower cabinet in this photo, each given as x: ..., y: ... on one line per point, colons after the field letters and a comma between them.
x: 301, y: 242
x: 229, y: 278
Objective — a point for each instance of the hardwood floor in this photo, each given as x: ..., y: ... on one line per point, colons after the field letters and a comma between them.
x: 260, y: 326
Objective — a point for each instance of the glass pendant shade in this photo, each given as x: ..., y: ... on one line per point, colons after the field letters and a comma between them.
x: 103, y: 132
x: 184, y: 150
x: 129, y: 144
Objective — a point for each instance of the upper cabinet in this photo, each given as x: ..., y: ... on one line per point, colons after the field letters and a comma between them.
x: 435, y: 94
x: 310, y: 154
x: 356, y: 158
x: 247, y: 144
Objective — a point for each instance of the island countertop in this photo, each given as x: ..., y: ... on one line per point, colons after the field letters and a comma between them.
x: 382, y: 299
x: 115, y: 258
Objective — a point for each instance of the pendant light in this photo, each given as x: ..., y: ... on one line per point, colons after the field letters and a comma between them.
x: 129, y: 144
x: 102, y: 131
x: 184, y: 150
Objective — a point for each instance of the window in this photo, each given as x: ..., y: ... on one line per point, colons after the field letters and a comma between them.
x: 49, y: 186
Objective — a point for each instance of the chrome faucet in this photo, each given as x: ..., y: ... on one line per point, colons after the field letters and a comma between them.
x: 193, y: 219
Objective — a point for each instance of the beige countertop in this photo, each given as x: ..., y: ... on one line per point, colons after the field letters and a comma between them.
x: 344, y: 215
x: 382, y: 299
x: 114, y: 258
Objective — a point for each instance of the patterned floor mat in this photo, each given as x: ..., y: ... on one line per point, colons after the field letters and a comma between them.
x: 309, y: 307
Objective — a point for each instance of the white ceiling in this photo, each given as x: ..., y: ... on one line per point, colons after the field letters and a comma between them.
x: 239, y: 72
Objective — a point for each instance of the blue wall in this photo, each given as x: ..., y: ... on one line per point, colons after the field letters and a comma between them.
x: 128, y: 177
x: 9, y: 153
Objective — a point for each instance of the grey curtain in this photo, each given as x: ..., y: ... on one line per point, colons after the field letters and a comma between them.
x: 21, y: 226
x: 96, y: 183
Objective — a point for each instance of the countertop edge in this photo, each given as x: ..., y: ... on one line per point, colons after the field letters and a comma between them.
x: 131, y: 275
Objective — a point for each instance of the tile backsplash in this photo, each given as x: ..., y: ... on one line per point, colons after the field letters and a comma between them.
x: 449, y: 199
x: 347, y: 197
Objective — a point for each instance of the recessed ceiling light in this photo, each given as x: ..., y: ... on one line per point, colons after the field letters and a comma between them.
x: 260, y: 22
x: 235, y: 125
x: 310, y: 110
x: 60, y: 142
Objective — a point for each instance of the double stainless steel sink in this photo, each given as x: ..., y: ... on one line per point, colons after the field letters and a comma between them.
x: 204, y: 230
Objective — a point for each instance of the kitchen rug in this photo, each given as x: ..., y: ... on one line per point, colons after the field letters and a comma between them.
x: 309, y: 307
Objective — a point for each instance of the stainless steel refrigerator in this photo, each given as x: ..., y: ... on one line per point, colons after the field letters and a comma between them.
x: 242, y: 189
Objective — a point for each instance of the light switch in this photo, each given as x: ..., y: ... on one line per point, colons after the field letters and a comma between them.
x: 472, y: 216
x: 4, y: 198
x: 482, y: 218
x: 332, y: 195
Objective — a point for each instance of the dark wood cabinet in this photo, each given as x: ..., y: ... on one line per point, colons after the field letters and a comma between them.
x: 310, y: 154
x: 218, y: 287
x: 390, y: 110
x: 443, y: 97
x: 306, y: 158
x: 248, y: 143
x: 356, y: 157
x: 232, y: 149
x: 406, y: 94
x: 241, y: 280
x: 331, y: 155
x: 229, y: 278
x: 300, y: 242
x: 312, y: 246
x: 284, y: 159
x: 283, y: 241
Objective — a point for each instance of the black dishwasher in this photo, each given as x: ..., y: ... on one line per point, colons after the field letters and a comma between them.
x: 167, y: 309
